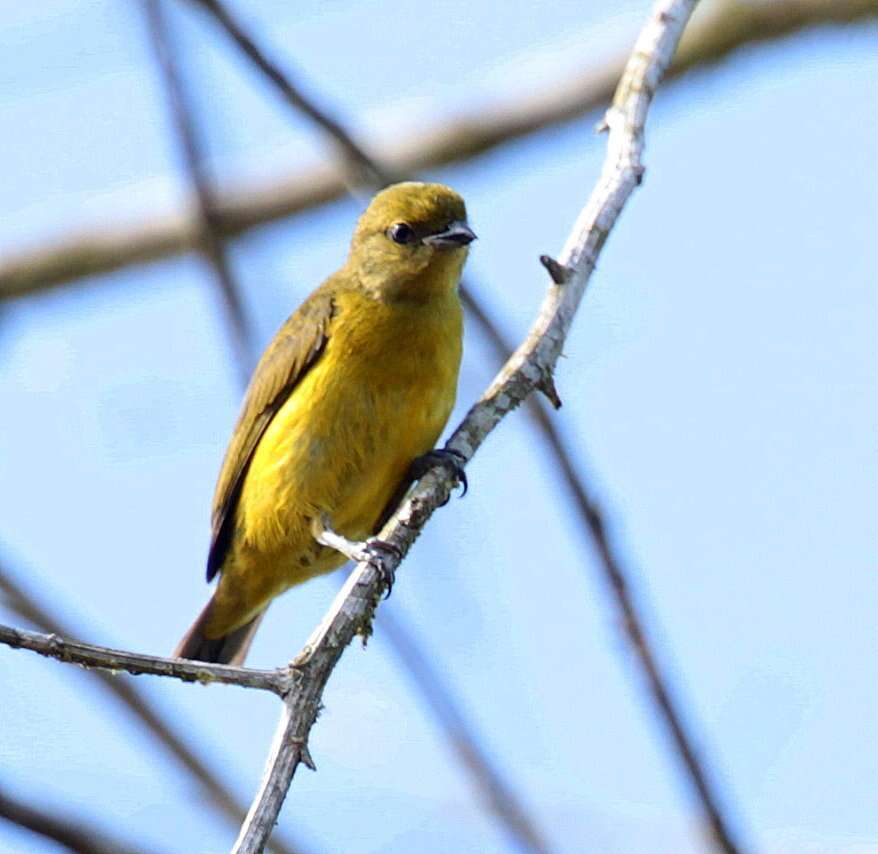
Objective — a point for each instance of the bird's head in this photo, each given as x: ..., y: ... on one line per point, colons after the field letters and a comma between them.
x: 411, y: 242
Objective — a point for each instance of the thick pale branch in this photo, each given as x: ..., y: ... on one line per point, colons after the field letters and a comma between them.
x: 729, y: 26
x: 89, y: 655
x: 528, y: 368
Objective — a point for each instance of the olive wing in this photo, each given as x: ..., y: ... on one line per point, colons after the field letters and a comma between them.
x: 292, y: 352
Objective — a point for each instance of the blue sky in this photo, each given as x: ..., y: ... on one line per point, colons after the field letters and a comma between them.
x: 719, y: 386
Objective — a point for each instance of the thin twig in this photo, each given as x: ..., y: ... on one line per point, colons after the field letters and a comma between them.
x: 729, y: 26
x: 143, y: 710
x: 73, y: 832
x: 459, y: 732
x: 615, y: 576
x: 211, y: 237
x: 528, y: 368
x: 632, y: 624
x: 367, y: 168
x: 115, y: 660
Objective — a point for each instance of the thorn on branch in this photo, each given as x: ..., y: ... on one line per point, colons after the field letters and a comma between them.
x: 304, y: 754
x: 602, y: 126
x: 557, y: 271
x: 547, y: 386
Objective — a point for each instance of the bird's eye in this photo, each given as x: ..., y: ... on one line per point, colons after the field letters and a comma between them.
x: 401, y: 232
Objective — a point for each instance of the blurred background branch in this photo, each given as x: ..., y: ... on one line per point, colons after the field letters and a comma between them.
x: 363, y: 168
x: 211, y: 240
x: 71, y: 832
x: 158, y: 724
x: 496, y: 792
x: 725, y: 27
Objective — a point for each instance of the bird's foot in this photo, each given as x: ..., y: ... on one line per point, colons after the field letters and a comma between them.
x: 373, y: 548
x: 372, y: 551
x: 453, y: 461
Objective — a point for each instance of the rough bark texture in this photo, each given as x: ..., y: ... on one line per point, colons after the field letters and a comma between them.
x: 530, y: 367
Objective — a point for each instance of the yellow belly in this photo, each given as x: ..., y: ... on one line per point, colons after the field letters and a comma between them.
x: 378, y: 397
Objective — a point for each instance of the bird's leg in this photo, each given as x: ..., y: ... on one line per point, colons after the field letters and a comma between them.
x: 454, y: 461
x: 372, y: 550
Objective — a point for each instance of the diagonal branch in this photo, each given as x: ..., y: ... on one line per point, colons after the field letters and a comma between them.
x: 530, y: 367
x: 209, y: 217
x: 498, y: 794
x: 614, y: 575
x: 619, y: 587
x: 727, y: 25
x: 459, y: 732
x: 70, y: 831
x: 142, y: 708
x: 366, y: 168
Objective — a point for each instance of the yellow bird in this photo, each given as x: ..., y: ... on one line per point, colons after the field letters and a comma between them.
x: 355, y: 387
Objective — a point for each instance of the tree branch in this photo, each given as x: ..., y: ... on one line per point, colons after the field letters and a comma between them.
x: 209, y: 218
x: 365, y: 168
x: 619, y: 588
x: 71, y: 832
x: 729, y: 26
x: 115, y: 660
x: 143, y: 710
x: 530, y: 367
x: 458, y: 731
x: 632, y: 624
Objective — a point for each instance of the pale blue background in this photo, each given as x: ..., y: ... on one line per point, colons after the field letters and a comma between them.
x: 720, y: 384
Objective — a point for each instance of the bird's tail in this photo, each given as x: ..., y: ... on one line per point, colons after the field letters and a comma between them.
x: 228, y: 649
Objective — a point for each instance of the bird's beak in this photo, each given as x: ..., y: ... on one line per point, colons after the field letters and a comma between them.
x: 457, y: 234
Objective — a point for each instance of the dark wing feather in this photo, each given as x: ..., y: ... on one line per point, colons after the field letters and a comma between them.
x: 296, y: 347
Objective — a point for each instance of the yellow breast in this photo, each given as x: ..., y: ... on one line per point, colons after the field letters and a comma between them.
x: 378, y: 397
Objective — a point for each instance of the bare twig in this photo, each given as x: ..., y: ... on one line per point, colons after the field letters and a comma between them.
x: 631, y: 622
x: 459, y: 732
x: 143, y: 709
x: 366, y: 168
x: 526, y: 370
x: 115, y: 660
x: 70, y: 831
x: 633, y: 625
x: 731, y: 25
x: 209, y: 217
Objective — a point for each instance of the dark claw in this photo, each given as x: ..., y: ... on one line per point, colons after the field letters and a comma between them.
x: 388, y: 573
x: 388, y: 576
x: 453, y: 460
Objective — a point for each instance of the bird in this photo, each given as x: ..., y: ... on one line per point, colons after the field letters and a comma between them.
x: 341, y: 414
